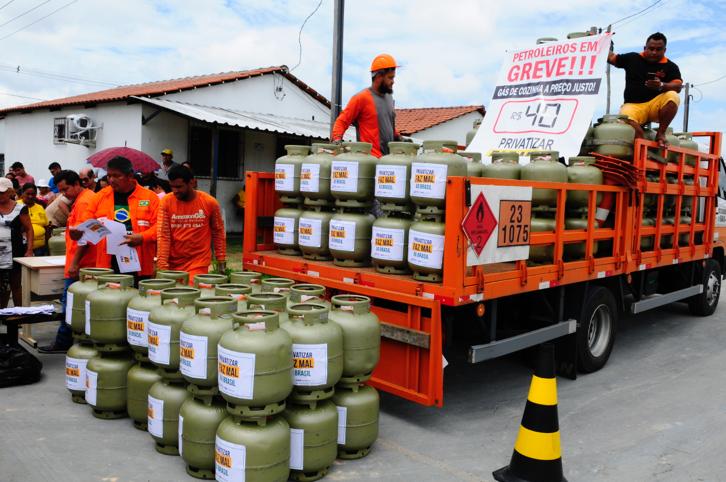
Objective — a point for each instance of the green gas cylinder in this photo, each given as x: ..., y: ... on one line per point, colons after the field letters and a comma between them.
x: 313, y: 228
x: 140, y: 378
x: 429, y: 172
x: 251, y: 278
x: 504, y: 165
x: 137, y: 313
x: 647, y: 242
x: 545, y: 40
x: 685, y: 140
x: 349, y: 238
x: 76, y: 298
x: 426, y: 250
x: 393, y: 176
x: 361, y: 336
x: 575, y: 251
x: 317, y: 349
x: 352, y: 175
x: 582, y: 170
x: 313, y: 439
x: 277, y: 285
x: 613, y: 136
x: 287, y: 174
x: 544, y: 166
x: 165, y: 400
x: 206, y: 283
x: 389, y: 244
x: 255, y: 365
x: 76, y: 361
x: 252, y: 451
x: 199, y: 419
x: 198, y: 339
x: 57, y: 242
x: 285, y: 235
x: 237, y: 291
x: 307, y: 293
x: 542, y: 253
x: 673, y: 141
x: 276, y: 302
x: 106, y: 311
x: 358, y: 407
x: 106, y: 384
x: 181, y: 277
x: 165, y: 322
x: 587, y: 146
x: 473, y: 163
x: 474, y: 128
x: 315, y: 175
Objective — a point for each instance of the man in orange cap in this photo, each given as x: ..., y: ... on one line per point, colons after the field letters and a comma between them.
x: 372, y: 110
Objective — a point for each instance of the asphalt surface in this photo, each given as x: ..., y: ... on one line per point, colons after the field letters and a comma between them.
x: 657, y: 411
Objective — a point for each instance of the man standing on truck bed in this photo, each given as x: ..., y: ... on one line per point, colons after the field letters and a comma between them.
x: 372, y: 110
x: 652, y: 84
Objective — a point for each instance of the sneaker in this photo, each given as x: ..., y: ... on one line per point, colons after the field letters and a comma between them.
x: 53, y: 348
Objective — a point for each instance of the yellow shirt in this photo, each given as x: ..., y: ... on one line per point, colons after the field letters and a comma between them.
x: 40, y: 222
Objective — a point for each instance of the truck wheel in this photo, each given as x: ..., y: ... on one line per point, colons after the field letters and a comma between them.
x: 596, y: 330
x: 705, y: 304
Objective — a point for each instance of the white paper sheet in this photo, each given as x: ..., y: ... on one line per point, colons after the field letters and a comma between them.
x: 93, y: 231
x: 117, y: 231
x: 127, y: 259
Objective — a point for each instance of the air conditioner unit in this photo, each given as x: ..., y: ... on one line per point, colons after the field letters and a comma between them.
x: 80, y: 127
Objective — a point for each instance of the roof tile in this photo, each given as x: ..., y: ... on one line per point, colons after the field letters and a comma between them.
x: 410, y: 121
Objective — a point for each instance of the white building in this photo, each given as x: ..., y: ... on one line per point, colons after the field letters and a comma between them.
x: 438, y: 123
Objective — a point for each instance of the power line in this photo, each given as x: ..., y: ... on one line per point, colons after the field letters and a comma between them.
x: 54, y: 75
x: 711, y: 81
x: 637, y: 13
x: 299, y: 35
x: 40, y: 19
x: 24, y: 13
x: 6, y: 4
x: 20, y: 96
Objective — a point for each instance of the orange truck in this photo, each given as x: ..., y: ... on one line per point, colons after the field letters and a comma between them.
x: 503, y: 307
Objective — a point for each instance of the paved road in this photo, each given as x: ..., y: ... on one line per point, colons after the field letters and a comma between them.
x: 656, y: 412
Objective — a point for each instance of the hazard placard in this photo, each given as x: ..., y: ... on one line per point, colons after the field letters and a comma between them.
x: 479, y: 224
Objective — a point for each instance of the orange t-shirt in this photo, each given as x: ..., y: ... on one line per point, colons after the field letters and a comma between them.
x: 187, y: 231
x: 79, y: 206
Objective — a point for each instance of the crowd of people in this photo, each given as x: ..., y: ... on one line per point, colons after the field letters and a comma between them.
x: 169, y: 224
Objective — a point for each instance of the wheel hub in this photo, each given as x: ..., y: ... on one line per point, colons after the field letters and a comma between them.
x: 599, y: 330
x: 713, y: 287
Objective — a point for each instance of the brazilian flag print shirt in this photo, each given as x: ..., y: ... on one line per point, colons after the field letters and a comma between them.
x: 121, y: 212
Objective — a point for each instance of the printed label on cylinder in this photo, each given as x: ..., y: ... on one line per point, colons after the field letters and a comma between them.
x: 391, y: 181
x: 310, y: 177
x: 91, y: 387
x: 342, y: 422
x: 179, y: 438
x: 428, y: 180
x: 136, y: 327
x: 159, y: 343
x: 193, y: 355
x: 76, y: 373
x: 284, y: 230
x: 229, y: 461
x: 309, y: 232
x: 425, y: 249
x: 69, y: 307
x: 236, y: 373
x: 155, y: 417
x: 297, y: 448
x: 284, y: 177
x: 387, y: 244
x: 310, y: 364
x: 341, y: 235
x: 344, y: 176
x: 87, y: 328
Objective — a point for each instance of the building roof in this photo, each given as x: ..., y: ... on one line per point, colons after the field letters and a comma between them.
x: 410, y: 121
x: 154, y: 89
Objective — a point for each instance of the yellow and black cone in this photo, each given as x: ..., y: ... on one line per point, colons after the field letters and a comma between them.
x: 537, y: 456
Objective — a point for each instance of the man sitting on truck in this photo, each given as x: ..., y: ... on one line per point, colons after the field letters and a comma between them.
x: 652, y: 84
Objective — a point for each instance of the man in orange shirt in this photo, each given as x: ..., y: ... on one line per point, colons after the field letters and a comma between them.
x: 187, y: 222
x: 69, y: 184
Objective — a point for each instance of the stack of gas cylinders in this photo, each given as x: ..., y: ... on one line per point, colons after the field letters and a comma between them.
x: 245, y: 378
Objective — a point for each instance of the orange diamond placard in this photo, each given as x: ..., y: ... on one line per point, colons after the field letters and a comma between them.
x: 479, y: 224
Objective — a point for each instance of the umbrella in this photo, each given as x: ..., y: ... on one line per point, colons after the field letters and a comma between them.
x: 141, y: 161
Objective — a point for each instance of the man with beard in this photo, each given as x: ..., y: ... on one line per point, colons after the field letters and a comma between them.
x: 372, y: 110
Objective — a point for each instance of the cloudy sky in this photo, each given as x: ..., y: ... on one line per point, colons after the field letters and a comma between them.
x: 451, y: 52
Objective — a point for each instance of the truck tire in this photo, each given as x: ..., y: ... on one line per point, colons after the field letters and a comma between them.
x: 596, y: 330
x: 705, y: 304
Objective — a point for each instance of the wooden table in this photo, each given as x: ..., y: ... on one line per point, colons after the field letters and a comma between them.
x: 41, y: 276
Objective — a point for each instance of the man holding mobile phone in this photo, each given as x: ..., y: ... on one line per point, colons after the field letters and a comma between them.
x: 652, y: 84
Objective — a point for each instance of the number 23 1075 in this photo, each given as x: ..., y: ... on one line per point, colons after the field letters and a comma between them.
x: 515, y: 219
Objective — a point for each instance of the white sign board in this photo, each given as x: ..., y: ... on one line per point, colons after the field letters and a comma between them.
x: 545, y: 97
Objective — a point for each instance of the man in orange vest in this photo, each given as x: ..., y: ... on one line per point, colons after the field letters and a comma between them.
x: 372, y: 110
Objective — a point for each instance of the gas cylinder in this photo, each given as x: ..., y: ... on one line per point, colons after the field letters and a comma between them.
x: 352, y: 174
x: 251, y: 278
x: 393, y: 176
x: 426, y: 250
x: 683, y: 237
x: 287, y: 174
x: 198, y: 339
x: 685, y: 140
x: 666, y: 240
x: 542, y: 253
x: 106, y: 311
x: 137, y: 313
x: 237, y: 291
x: 76, y: 298
x: 647, y: 242
x: 206, y: 283
x: 545, y: 40
x: 315, y: 175
x: 358, y: 408
x: 313, y: 439
x: 165, y: 321
x: 181, y: 277
x: 504, y: 165
x: 614, y: 137
x: 140, y: 378
x: 165, y: 400
x: 277, y: 285
x: 474, y: 128
x: 543, y: 166
x: 252, y: 451
x: 349, y: 238
x: 572, y: 35
x: 285, y: 235
x: 587, y: 146
x: 317, y: 350
x: 76, y: 361
x: 276, y: 302
x: 361, y: 336
x: 307, y: 293
x: 473, y: 163
x: 106, y: 384
x: 575, y: 251
x: 389, y: 244
x: 582, y: 170
x: 313, y: 228
x: 673, y: 141
x: 57, y: 242
x: 255, y: 365
x: 199, y: 419
x: 429, y: 172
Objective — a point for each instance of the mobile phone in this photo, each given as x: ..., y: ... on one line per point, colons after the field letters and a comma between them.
x: 652, y: 76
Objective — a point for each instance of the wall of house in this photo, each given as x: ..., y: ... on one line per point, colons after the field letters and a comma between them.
x: 454, y: 129
x: 2, y: 136
x: 166, y: 129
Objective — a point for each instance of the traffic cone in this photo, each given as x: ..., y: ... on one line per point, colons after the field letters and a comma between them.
x: 537, y: 455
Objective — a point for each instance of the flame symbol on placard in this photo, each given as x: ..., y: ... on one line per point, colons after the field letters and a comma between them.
x: 480, y: 212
